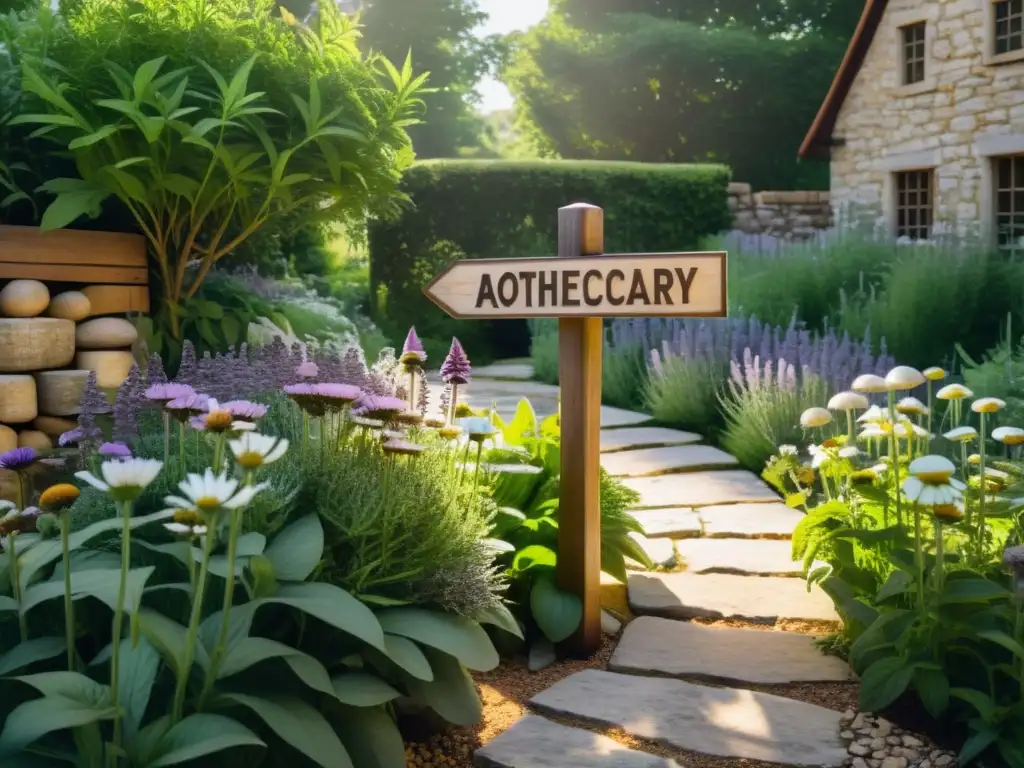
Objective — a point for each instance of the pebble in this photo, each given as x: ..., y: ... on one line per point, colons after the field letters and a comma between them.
x: 874, y: 742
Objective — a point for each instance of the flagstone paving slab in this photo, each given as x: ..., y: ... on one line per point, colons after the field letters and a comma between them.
x: 714, y: 595
x: 628, y: 438
x: 617, y: 417
x: 660, y: 550
x: 700, y: 489
x: 536, y: 742
x: 506, y: 370
x: 750, y: 521
x: 659, y: 461
x: 667, y: 648
x: 746, y: 557
x: 681, y: 523
x: 724, y: 722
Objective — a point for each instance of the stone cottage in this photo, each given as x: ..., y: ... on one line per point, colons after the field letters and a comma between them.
x: 924, y: 122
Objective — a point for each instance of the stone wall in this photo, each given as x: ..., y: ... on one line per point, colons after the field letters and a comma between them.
x: 794, y: 216
x: 969, y: 109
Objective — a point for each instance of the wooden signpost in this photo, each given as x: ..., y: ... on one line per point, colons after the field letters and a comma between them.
x: 581, y: 286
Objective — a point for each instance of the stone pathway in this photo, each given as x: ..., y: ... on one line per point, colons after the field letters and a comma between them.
x: 722, y: 539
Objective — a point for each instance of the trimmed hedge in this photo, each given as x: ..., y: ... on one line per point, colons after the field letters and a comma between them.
x: 490, y: 208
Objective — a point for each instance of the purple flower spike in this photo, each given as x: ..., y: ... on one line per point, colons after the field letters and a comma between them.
x: 412, y: 351
x: 245, y: 410
x: 340, y: 393
x: 308, y: 370
x: 456, y: 368
x: 115, y: 451
x: 165, y: 393
x: 378, y: 407
x: 18, y: 459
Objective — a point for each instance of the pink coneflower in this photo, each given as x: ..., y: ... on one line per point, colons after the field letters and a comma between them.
x: 305, y: 396
x: 18, y: 459
x: 337, y: 396
x: 217, y: 418
x: 379, y: 407
x: 308, y: 370
x: 165, y: 393
x: 183, y: 408
x: 245, y: 410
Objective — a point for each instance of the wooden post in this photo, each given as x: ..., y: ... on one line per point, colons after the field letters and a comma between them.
x: 580, y: 341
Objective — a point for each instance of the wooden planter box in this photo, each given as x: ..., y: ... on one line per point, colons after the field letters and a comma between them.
x: 112, y: 265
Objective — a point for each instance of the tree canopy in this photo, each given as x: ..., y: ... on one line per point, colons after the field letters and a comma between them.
x: 731, y: 81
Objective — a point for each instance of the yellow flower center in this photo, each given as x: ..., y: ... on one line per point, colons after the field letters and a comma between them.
x: 250, y: 460
x: 208, y: 503
x: 988, y: 408
x: 948, y: 512
x: 830, y: 443
x: 59, y: 496
x: 805, y: 475
x: 1014, y: 440
x: 450, y: 433
x: 188, y: 517
x: 934, y: 478
x: 219, y: 420
x: 908, y: 410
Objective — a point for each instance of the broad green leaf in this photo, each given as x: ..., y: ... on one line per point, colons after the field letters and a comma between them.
x: 981, y: 702
x: 47, y: 551
x: 452, y: 693
x: 136, y: 676
x: 407, y: 655
x: 311, y: 672
x: 296, y: 723
x: 523, y: 424
x: 34, y: 719
x: 200, y: 735
x: 972, y: 590
x: 69, y: 207
x: 36, y: 119
x: 976, y: 744
x: 144, y: 76
x: 70, y: 685
x: 897, y: 583
x: 331, y: 605
x: 500, y: 616
x: 36, y: 649
x: 103, y: 584
x: 296, y: 551
x: 385, y: 602
x: 557, y: 613
x: 253, y: 650
x: 145, y: 741
x: 371, y: 737
x: 362, y: 689
x: 169, y: 638
x: 8, y: 603
x: 884, y: 682
x: 239, y: 625
x: 457, y: 636
x: 932, y: 687
x: 1003, y: 639
x: 533, y: 556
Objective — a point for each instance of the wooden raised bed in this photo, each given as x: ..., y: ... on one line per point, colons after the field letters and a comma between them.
x: 112, y: 264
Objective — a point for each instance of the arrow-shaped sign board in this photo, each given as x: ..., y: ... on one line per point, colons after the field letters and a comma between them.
x: 619, y: 285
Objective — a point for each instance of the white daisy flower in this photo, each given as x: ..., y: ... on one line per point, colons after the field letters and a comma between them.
x: 186, y: 530
x: 872, y: 432
x: 1008, y: 435
x: 254, y: 450
x: 911, y: 406
x: 872, y: 415
x: 961, y: 434
x: 210, y: 493
x: 904, y: 377
x: 954, y: 392
x: 934, y: 373
x: 849, y: 452
x: 988, y: 405
x: 815, y: 417
x: 787, y: 450
x: 848, y: 401
x: 931, y: 482
x: 820, y: 457
x: 123, y: 479
x: 869, y: 383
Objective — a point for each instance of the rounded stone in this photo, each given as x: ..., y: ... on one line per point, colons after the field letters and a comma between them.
x: 23, y: 298
x: 111, y: 366
x: 17, y: 399
x: 106, y: 333
x: 70, y: 305
x: 35, y: 344
x: 8, y: 439
x: 53, y: 426
x: 60, y: 392
x: 32, y: 438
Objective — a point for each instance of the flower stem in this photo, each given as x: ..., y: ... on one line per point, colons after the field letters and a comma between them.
x: 981, y: 486
x: 919, y: 559
x: 181, y: 449
x: 851, y: 439
x: 69, y: 606
x: 193, y: 630
x: 229, y: 592
x: 939, y: 558
x: 453, y: 403
x: 476, y: 473
x: 218, y: 452
x: 12, y: 555
x: 167, y: 436
x: 931, y: 403
x: 115, y: 648
x: 894, y: 457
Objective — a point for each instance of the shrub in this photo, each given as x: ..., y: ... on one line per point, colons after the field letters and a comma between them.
x: 480, y: 209
x: 544, y: 350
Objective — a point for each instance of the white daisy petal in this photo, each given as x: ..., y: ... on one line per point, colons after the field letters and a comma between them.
x: 92, y: 480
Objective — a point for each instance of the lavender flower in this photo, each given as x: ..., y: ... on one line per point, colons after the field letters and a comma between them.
x: 155, y: 373
x: 18, y: 459
x: 423, y: 394
x: 183, y: 408
x: 308, y: 370
x: 188, y: 369
x: 93, y: 402
x: 115, y: 451
x: 127, y: 403
x: 413, y: 354
x: 353, y: 367
x: 456, y: 368
x: 79, y: 436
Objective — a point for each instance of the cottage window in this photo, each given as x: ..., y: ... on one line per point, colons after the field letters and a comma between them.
x: 914, y: 204
x: 913, y: 36
x: 1009, y: 26
x: 1009, y: 177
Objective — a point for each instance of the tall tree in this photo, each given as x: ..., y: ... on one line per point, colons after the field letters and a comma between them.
x: 732, y: 81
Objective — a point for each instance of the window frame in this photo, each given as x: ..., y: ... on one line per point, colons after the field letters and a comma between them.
x: 1015, y: 190
x: 909, y: 60
x: 899, y: 209
x: 990, y: 56
x: 900, y: 21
